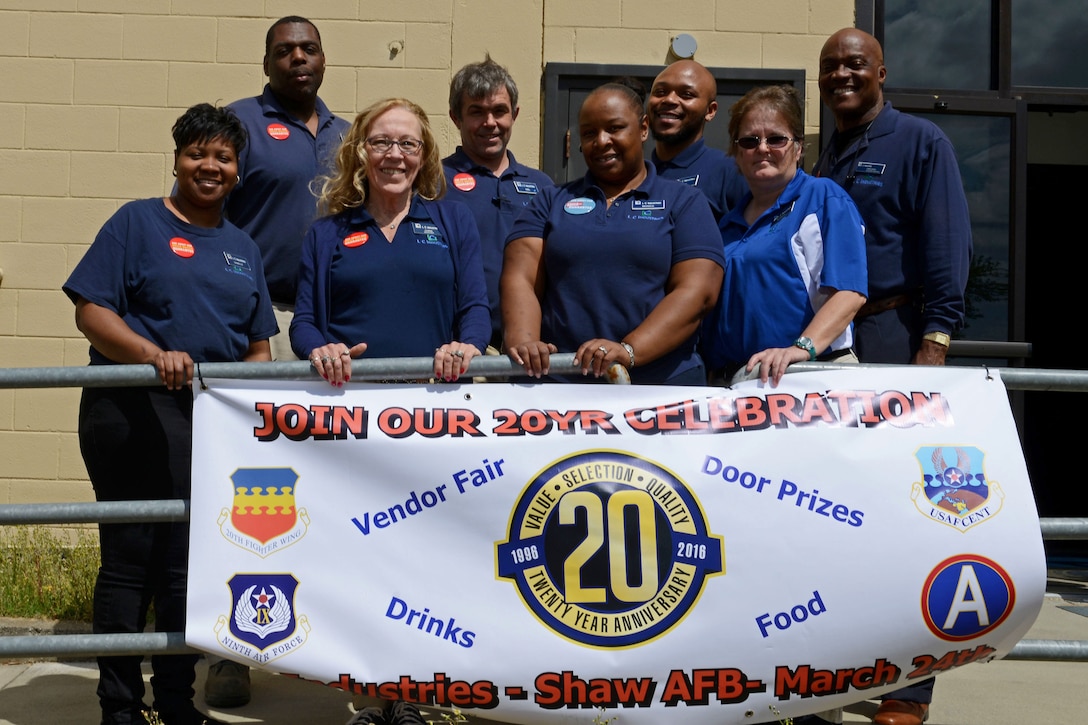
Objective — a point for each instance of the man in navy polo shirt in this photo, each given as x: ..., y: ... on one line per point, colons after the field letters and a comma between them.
x: 482, y: 173
x: 681, y: 102
x: 293, y: 138
x: 901, y: 171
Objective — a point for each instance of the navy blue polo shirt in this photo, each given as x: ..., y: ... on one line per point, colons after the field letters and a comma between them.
x: 606, y: 267
x: 403, y: 298
x: 183, y: 287
x: 903, y: 176
x: 710, y: 171
x: 494, y: 203
x: 273, y: 202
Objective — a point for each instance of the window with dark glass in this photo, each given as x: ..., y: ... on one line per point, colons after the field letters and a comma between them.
x: 1048, y: 39
x: 937, y: 44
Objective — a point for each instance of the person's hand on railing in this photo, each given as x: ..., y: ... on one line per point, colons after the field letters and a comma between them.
x: 333, y: 361
x: 533, y: 356
x: 598, y: 355
x: 175, y: 368
x: 451, y: 360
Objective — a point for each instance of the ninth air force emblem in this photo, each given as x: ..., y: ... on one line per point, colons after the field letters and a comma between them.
x: 954, y: 489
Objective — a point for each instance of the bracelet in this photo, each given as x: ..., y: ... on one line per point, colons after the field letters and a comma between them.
x: 630, y: 352
x: 941, y: 338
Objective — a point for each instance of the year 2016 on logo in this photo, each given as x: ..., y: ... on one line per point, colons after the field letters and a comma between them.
x: 608, y: 550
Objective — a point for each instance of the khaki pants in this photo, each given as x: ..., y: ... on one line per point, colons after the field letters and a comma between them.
x: 281, y: 341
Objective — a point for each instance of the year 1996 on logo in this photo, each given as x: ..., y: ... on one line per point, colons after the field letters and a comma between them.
x: 608, y: 549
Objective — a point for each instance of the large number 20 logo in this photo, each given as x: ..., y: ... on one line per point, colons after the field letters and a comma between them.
x: 608, y: 550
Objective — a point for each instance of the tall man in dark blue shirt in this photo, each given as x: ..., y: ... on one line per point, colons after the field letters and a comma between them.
x: 902, y: 173
x: 682, y: 101
x: 482, y: 173
x: 293, y: 138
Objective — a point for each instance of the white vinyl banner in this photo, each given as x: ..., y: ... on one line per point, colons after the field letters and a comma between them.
x: 530, y: 553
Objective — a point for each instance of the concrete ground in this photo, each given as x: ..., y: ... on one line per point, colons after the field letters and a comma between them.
x: 995, y: 693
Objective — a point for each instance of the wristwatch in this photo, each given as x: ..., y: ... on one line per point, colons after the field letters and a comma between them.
x: 941, y: 338
x: 806, y: 344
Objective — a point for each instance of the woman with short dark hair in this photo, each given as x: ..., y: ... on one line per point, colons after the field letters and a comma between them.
x: 167, y: 282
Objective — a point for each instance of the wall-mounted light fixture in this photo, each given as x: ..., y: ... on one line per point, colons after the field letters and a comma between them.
x: 681, y: 47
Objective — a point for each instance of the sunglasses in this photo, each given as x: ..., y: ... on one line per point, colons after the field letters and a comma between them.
x: 751, y: 143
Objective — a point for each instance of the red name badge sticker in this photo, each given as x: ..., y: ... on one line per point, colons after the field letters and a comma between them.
x: 278, y: 131
x: 182, y: 247
x: 464, y: 182
x: 356, y: 239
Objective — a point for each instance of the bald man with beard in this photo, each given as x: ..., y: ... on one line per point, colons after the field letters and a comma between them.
x: 682, y: 101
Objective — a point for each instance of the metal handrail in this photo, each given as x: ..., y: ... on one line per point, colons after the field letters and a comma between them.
x: 63, y: 645
x: 362, y: 370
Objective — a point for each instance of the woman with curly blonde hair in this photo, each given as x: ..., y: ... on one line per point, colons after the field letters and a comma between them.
x: 392, y: 269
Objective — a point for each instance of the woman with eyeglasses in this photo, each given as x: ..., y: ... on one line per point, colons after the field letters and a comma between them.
x: 795, y: 270
x: 617, y: 267
x: 391, y: 270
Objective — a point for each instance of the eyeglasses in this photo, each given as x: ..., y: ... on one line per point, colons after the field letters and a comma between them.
x: 751, y: 143
x: 408, y: 146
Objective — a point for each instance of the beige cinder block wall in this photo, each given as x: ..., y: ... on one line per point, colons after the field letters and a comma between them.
x: 91, y: 88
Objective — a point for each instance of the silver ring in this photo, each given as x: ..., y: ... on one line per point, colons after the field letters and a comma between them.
x: 603, y: 349
x: 326, y: 359
x: 345, y: 354
x: 459, y: 353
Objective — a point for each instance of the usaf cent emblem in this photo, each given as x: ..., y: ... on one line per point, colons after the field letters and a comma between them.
x: 954, y: 489
x: 608, y: 550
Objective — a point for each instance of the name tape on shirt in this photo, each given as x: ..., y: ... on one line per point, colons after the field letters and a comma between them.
x: 647, y: 205
x: 240, y: 264
x: 690, y: 180
x: 526, y: 187
x: 872, y: 168
x: 427, y: 234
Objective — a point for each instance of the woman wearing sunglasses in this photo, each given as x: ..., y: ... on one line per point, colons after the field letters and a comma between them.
x: 795, y: 270
x: 391, y: 270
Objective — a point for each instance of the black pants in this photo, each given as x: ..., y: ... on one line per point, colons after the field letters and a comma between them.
x: 137, y: 444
